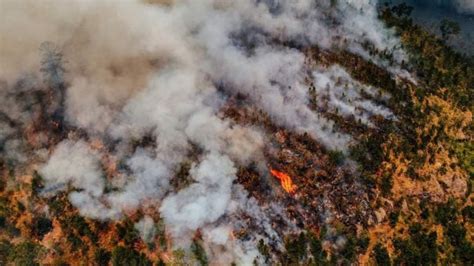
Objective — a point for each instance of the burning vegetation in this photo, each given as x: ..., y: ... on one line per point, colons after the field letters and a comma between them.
x: 285, y: 180
x: 241, y: 132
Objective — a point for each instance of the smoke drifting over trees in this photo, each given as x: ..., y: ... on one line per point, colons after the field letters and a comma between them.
x: 124, y: 94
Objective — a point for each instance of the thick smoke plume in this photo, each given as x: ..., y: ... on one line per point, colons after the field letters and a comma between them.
x: 161, y: 70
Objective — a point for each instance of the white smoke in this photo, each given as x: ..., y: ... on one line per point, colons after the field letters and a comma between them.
x: 136, y: 69
x: 146, y: 228
x: 339, y: 93
x: 204, y: 201
x: 150, y: 180
x: 76, y: 164
x: 465, y: 6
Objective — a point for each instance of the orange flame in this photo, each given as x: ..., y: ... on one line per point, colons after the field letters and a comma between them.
x: 285, y: 181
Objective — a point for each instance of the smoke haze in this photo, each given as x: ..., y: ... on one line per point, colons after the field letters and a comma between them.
x: 163, y: 70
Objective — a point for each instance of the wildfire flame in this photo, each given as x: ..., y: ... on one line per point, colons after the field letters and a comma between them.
x: 285, y: 180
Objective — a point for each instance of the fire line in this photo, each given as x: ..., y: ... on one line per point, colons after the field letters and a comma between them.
x: 285, y: 180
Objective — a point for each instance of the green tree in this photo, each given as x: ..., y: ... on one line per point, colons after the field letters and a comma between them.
x: 263, y: 249
x: 41, y: 226
x: 402, y: 10
x: 386, y: 184
x: 24, y: 254
x: 317, y: 251
x: 393, y: 218
x: 127, y: 232
x: 52, y: 64
x: 336, y: 157
x: 127, y: 256
x: 5, y: 248
x: 381, y: 255
x: 419, y: 249
x: 36, y: 183
x: 448, y: 28
x: 468, y: 213
x: 102, y: 256
x: 445, y: 213
x: 296, y: 249
x: 199, y: 253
